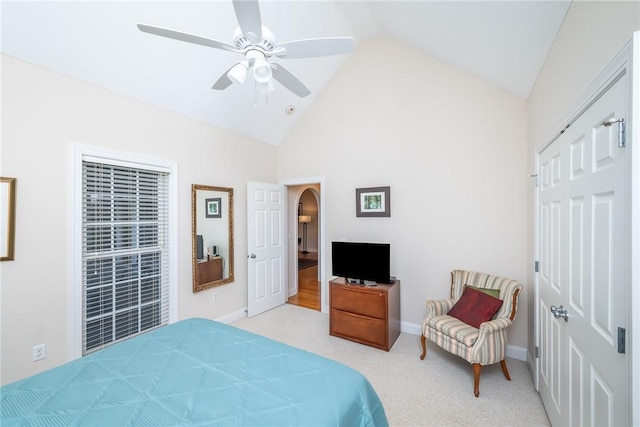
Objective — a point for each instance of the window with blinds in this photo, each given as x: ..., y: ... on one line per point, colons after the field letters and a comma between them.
x: 125, y: 253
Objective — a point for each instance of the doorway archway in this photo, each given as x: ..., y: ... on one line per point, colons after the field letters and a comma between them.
x: 306, y: 247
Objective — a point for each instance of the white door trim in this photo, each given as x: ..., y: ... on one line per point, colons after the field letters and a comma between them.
x: 324, y: 300
x: 633, y: 137
x: 626, y: 62
x: 621, y: 64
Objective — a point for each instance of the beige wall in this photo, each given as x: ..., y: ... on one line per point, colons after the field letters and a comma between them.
x: 591, y: 35
x: 42, y: 114
x: 453, y: 150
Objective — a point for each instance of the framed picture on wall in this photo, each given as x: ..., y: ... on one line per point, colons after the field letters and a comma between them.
x: 7, y: 217
x: 213, y: 208
x: 373, y: 202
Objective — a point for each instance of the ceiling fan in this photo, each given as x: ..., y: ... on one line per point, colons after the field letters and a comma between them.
x: 258, y: 46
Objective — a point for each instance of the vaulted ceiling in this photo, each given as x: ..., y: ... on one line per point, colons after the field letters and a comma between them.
x: 503, y: 42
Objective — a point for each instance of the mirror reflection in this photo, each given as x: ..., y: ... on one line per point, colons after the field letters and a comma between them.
x: 212, y: 236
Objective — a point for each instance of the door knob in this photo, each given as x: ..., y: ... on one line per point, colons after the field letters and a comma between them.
x: 559, y: 312
x: 252, y: 256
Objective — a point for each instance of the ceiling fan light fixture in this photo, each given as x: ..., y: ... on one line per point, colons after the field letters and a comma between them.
x: 257, y: 43
x: 262, y: 70
x: 238, y: 73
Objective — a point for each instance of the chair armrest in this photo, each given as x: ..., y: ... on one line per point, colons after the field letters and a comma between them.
x: 494, y: 325
x: 438, y: 307
x: 490, y: 347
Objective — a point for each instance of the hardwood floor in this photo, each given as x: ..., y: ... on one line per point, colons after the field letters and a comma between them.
x: 308, y: 289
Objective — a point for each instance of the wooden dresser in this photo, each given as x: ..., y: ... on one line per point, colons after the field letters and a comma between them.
x: 209, y: 270
x: 366, y: 314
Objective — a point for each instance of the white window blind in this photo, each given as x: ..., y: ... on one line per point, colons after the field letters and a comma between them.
x: 125, y: 253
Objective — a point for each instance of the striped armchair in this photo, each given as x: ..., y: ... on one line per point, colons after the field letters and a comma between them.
x: 480, y: 347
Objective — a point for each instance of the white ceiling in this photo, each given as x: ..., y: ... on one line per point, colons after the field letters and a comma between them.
x: 504, y: 42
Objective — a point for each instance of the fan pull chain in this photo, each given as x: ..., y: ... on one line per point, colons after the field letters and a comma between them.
x: 255, y: 96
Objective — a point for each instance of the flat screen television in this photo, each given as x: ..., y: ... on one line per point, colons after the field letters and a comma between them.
x: 362, y: 261
x: 199, y: 247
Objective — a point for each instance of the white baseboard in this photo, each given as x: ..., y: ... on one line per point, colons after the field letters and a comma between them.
x: 517, y: 352
x: 232, y: 317
x: 513, y: 351
x: 410, y: 328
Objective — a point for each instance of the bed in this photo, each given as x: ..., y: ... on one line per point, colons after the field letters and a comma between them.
x: 195, y: 372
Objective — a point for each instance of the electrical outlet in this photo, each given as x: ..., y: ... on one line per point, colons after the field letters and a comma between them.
x: 213, y: 297
x: 39, y: 352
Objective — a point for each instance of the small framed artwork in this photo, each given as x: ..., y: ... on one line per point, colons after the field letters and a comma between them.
x: 374, y: 201
x: 213, y: 208
x: 300, y: 209
x: 7, y: 217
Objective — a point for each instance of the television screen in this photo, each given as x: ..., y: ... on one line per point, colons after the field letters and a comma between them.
x: 199, y: 247
x: 362, y: 261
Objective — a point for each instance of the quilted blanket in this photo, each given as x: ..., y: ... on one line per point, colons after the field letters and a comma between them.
x: 195, y: 372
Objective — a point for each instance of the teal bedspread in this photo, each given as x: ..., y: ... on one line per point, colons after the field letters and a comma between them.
x: 195, y: 372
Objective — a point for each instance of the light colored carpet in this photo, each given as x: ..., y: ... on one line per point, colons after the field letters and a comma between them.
x: 437, y: 391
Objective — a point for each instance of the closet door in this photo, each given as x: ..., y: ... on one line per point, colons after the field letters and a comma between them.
x: 584, y: 278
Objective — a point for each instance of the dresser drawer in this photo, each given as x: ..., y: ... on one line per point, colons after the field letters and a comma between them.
x: 367, y: 302
x: 364, y: 329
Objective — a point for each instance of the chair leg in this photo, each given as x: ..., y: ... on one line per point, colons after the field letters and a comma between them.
x: 505, y: 371
x: 476, y: 378
x: 423, y: 340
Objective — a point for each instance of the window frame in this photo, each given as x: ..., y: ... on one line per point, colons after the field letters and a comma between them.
x: 80, y: 153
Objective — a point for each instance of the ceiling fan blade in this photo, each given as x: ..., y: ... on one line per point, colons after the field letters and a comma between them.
x: 185, y: 37
x: 289, y: 81
x: 310, y: 48
x: 248, y: 15
x: 224, y: 81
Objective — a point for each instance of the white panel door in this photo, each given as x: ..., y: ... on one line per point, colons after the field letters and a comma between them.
x: 266, y: 219
x: 584, y: 241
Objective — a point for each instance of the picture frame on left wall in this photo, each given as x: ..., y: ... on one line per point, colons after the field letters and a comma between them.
x: 7, y: 218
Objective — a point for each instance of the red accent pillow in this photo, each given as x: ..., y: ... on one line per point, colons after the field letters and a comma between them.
x: 475, y: 307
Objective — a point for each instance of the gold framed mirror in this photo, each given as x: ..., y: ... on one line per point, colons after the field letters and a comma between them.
x: 7, y: 218
x: 211, y: 236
